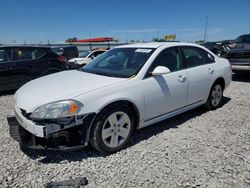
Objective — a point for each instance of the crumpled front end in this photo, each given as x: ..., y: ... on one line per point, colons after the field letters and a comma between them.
x: 59, y: 134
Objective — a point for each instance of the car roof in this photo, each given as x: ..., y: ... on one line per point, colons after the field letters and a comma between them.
x: 157, y: 45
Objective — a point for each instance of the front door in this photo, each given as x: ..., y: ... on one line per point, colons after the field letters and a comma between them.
x: 165, y: 93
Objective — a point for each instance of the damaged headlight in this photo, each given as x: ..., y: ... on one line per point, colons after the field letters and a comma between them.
x: 60, y: 109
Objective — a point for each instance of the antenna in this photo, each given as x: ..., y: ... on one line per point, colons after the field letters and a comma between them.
x: 205, y: 34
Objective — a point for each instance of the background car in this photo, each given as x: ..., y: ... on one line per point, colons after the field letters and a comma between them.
x: 68, y: 52
x: 218, y: 47
x: 241, y: 42
x: 84, y: 58
x: 238, y: 54
x: 126, y: 88
x: 239, y: 60
x: 20, y: 64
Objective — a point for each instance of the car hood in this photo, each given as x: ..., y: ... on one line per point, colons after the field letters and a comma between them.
x: 60, y: 86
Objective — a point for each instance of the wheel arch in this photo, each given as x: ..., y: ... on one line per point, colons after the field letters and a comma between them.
x: 220, y: 80
x: 128, y: 103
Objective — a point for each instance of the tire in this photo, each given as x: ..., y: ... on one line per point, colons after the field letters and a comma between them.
x: 112, y: 128
x: 215, y: 96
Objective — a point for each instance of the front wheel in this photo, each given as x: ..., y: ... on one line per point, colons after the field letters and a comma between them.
x: 215, y: 97
x: 112, y: 129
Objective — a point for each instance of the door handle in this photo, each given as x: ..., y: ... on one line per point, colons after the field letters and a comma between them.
x: 181, y: 78
x: 210, y: 70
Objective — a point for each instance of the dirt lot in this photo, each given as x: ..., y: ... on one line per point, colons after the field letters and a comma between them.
x: 196, y: 149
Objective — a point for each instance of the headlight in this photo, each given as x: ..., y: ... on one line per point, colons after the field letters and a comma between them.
x: 58, y: 109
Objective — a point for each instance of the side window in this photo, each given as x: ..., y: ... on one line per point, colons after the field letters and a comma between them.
x: 4, y: 56
x: 210, y: 58
x: 22, y: 54
x: 92, y: 54
x: 193, y: 57
x: 95, y: 54
x: 28, y: 54
x: 169, y: 58
x: 246, y: 39
x: 37, y: 53
x: 99, y: 53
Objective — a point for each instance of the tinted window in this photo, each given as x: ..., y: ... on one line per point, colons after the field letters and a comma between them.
x: 169, y: 58
x: 28, y: 53
x: 94, y: 54
x: 193, y: 57
x: 243, y: 39
x: 210, y: 57
x: 4, y: 56
x: 99, y: 53
x: 119, y: 62
x: 58, y: 51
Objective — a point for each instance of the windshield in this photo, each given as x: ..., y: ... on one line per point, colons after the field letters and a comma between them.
x: 84, y: 53
x: 243, y: 39
x: 119, y: 62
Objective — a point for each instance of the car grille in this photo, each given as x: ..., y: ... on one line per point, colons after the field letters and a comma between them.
x: 238, y: 55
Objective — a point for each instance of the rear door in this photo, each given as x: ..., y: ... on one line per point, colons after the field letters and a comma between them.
x: 200, y: 73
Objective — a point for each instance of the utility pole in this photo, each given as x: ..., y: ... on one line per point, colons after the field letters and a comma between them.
x: 205, y: 34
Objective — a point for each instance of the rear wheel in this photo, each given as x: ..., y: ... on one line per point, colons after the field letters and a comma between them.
x: 112, y: 129
x: 215, y: 97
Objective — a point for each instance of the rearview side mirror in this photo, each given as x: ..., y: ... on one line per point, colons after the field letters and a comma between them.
x: 160, y: 70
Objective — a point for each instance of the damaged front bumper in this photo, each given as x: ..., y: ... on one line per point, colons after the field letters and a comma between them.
x: 51, y: 135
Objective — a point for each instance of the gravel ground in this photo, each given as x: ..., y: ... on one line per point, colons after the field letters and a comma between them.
x: 196, y: 149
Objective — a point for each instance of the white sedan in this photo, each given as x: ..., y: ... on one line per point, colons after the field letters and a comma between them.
x: 126, y: 88
x: 84, y: 58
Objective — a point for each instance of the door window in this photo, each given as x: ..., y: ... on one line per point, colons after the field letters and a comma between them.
x: 210, y: 57
x: 169, y: 58
x: 4, y: 56
x: 28, y: 54
x: 193, y: 57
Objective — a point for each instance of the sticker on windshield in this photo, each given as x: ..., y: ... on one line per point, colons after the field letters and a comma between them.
x: 143, y: 50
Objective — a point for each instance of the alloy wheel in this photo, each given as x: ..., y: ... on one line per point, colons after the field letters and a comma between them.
x: 216, y: 95
x: 116, y: 129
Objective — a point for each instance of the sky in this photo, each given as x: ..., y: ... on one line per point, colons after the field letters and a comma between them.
x: 37, y: 21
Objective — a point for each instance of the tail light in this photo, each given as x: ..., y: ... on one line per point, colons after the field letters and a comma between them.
x: 61, y: 58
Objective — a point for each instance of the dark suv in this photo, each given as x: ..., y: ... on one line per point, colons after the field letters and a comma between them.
x: 20, y: 64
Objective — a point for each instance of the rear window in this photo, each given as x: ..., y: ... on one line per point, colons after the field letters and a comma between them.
x: 58, y: 51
